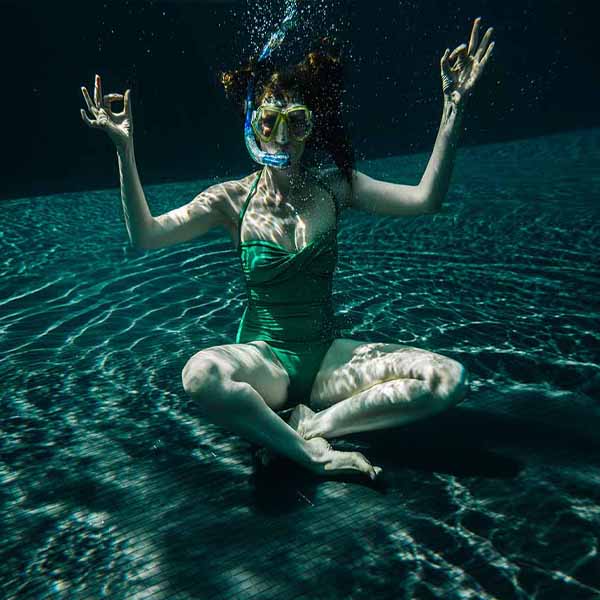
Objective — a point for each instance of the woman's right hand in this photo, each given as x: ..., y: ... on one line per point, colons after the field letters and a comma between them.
x: 118, y: 126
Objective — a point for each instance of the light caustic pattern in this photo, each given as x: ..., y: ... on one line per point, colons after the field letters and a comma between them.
x: 112, y: 485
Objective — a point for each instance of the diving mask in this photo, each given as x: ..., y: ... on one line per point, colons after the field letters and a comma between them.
x: 267, y: 119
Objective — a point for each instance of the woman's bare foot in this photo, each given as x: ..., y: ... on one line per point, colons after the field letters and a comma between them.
x: 298, y: 420
x: 327, y: 461
x: 324, y: 459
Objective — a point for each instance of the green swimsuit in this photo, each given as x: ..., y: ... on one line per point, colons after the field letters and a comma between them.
x: 290, y: 302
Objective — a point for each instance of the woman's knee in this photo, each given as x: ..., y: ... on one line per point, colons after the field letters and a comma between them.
x: 217, y: 377
x: 451, y: 383
x: 200, y: 377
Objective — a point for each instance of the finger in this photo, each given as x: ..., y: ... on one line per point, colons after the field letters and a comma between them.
x: 458, y: 50
x: 91, y: 106
x: 484, y: 44
x: 98, y: 91
x: 444, y: 65
x: 486, y: 55
x: 111, y: 98
x: 126, y: 104
x: 460, y: 59
x: 87, y: 120
x: 474, y: 36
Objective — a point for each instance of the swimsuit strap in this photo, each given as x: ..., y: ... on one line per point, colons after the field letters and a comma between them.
x: 243, y: 211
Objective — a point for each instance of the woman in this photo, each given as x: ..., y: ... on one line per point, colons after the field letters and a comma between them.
x: 283, y: 221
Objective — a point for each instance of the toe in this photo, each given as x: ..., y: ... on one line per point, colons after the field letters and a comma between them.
x: 364, y: 465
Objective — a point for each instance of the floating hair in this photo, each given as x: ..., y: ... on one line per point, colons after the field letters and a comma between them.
x: 318, y: 80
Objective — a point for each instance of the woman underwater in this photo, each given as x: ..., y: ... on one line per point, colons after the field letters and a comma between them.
x: 283, y: 221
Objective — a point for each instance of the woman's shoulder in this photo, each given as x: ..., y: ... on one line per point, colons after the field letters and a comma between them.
x: 232, y: 194
x: 333, y: 180
x: 236, y: 186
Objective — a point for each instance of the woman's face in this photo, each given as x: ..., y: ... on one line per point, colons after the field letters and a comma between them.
x: 282, y: 141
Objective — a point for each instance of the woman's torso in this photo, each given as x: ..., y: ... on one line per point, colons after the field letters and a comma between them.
x: 292, y: 223
x: 288, y: 254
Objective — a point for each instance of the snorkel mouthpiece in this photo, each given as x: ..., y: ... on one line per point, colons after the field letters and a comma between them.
x: 280, y: 160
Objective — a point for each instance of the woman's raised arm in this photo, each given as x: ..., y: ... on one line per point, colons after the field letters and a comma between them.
x: 144, y: 230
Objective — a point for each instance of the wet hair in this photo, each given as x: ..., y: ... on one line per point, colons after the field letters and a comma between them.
x: 318, y: 81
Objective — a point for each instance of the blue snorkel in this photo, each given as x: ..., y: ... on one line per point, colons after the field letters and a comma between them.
x: 281, y: 160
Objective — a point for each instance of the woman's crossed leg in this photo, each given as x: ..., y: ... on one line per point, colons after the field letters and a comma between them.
x: 366, y: 386
x: 240, y: 386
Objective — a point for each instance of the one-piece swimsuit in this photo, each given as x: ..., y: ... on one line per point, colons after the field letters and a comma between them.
x: 290, y: 301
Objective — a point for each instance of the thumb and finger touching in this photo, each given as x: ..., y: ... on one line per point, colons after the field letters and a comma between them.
x: 108, y: 99
x: 458, y: 55
x: 101, y: 106
x: 467, y: 61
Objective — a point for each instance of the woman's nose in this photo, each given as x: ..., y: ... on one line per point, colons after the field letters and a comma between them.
x: 281, y: 135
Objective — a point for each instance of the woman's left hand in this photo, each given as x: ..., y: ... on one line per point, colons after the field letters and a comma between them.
x: 463, y: 67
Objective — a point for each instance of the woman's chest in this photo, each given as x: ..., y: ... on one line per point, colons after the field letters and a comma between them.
x: 290, y: 223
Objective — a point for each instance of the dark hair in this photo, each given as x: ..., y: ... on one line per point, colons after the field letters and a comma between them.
x: 318, y: 80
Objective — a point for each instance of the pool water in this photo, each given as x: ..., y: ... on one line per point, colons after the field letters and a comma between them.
x: 112, y: 486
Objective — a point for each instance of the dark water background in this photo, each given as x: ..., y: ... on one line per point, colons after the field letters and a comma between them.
x: 111, y: 487
x: 542, y: 79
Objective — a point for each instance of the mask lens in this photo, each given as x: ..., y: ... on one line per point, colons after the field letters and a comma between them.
x: 267, y: 120
x: 299, y: 122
